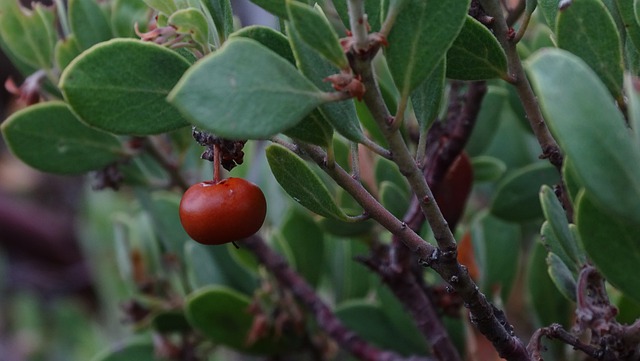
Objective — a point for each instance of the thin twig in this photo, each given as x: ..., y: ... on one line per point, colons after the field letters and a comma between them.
x: 550, y: 149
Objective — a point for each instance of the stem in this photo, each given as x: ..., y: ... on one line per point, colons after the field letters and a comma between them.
x: 355, y: 161
x: 216, y: 163
x: 498, y: 331
x: 556, y: 331
x: 326, y: 319
x: 394, y: 10
x: 403, y: 159
x: 550, y: 149
x: 408, y: 291
x: 358, y: 23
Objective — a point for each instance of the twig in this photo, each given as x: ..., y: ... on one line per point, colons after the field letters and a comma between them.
x: 556, y: 331
x: 443, y: 262
x: 408, y: 291
x: 326, y: 319
x: 550, y: 149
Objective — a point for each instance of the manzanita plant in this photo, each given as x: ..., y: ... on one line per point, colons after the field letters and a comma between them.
x: 461, y: 178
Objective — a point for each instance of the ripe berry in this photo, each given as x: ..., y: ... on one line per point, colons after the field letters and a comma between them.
x: 221, y: 212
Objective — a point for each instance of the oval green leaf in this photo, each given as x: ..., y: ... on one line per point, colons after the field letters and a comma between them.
x: 611, y: 243
x: 591, y: 131
x: 427, y: 97
x: 228, y: 95
x: 341, y: 115
x: 314, y: 29
x: 476, y: 54
x: 516, y: 198
x: 306, y: 242
x: 301, y: 183
x: 268, y: 37
x: 421, y: 35
x: 557, y: 218
x: 29, y: 35
x: 192, y: 22
x: 496, y: 245
x: 115, y: 86
x: 373, y: 324
x: 133, y: 349
x: 487, y: 168
x: 50, y: 138
x: 587, y: 30
x: 88, y: 23
x: 125, y: 14
x: 222, y: 315
x: 561, y: 276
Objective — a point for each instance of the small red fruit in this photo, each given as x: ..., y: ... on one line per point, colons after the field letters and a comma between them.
x: 222, y: 212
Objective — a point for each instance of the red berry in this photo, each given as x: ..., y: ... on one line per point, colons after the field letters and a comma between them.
x: 227, y: 211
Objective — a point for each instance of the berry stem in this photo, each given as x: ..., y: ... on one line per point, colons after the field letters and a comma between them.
x: 216, y: 163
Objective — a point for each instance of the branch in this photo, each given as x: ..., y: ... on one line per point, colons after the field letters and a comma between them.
x: 443, y: 262
x: 550, y: 149
x: 305, y: 294
x: 405, y: 286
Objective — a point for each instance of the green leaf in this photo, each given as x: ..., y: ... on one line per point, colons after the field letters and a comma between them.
x: 561, y: 276
x: 371, y: 323
x: 88, y: 23
x: 66, y: 50
x: 341, y: 115
x: 611, y: 243
x: 476, y: 54
x: 306, y: 241
x: 48, y: 137
x: 29, y: 35
x: 587, y: 30
x: 222, y: 14
x: 488, y: 120
x: 516, y: 198
x: 551, y: 242
x: 130, y: 349
x: 192, y: 22
x: 557, y: 218
x: 394, y: 199
x: 301, y: 183
x: 549, y: 10
x: 276, y: 7
x: 487, y: 168
x: 427, y: 97
x: 631, y: 25
x: 268, y: 37
x: 548, y: 304
x: 222, y: 315
x: 166, y: 220
x: 587, y: 130
x: 170, y: 321
x: 313, y: 129
x: 166, y: 7
x: 349, y: 279
x: 115, y: 86
x: 423, y: 31
x: 386, y: 170
x: 497, y: 251
x: 125, y: 14
x: 314, y: 29
x: 202, y: 270
x: 225, y: 92
x: 571, y: 180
